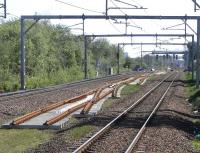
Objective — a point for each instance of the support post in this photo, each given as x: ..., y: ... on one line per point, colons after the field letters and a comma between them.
x: 5, y: 11
x: 85, y: 58
x: 141, y: 57
x: 185, y: 28
x: 106, y: 8
x: 197, y: 54
x: 22, y: 56
x: 187, y: 56
x: 118, y: 71
x: 126, y: 26
x: 195, y: 7
x: 156, y: 40
x: 85, y: 50
x: 83, y: 26
x: 192, y: 57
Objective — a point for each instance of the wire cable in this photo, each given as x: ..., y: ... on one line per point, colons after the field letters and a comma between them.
x: 79, y: 7
x: 136, y: 3
x: 124, y: 14
x: 126, y: 3
x: 114, y: 26
x: 146, y: 14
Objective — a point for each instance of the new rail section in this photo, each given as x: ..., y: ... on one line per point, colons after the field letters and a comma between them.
x: 89, y: 143
x: 98, y: 94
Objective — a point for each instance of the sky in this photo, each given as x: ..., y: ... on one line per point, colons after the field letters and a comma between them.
x: 97, y: 7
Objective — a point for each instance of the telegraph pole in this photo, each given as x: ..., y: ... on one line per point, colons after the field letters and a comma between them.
x: 141, y: 57
x: 197, y: 54
x: 3, y: 5
x: 118, y: 59
x: 106, y: 8
x: 85, y: 50
x: 192, y: 57
x: 22, y: 56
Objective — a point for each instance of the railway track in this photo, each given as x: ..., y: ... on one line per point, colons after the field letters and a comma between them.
x: 117, y: 135
x: 18, y: 104
x: 30, y: 92
x: 66, y: 107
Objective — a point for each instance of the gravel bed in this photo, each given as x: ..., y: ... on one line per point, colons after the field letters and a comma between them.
x: 12, y: 106
x: 171, y: 129
x: 60, y: 144
x: 118, y: 138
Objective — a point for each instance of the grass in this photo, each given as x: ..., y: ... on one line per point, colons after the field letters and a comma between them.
x: 196, y: 121
x: 196, y: 145
x: 79, y: 132
x: 127, y: 90
x: 192, y: 93
x: 19, y: 140
x: 108, y: 102
x: 152, y: 78
x: 194, y: 98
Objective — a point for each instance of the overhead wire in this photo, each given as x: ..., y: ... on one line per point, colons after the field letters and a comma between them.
x: 158, y: 25
x: 124, y: 13
x: 86, y: 9
x: 82, y: 8
x: 114, y: 26
x: 126, y: 3
x: 136, y: 3
x: 145, y: 11
x: 13, y: 15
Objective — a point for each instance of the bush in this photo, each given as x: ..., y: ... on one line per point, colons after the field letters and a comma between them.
x: 54, y: 78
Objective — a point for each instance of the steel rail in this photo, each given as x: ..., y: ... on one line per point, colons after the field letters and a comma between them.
x: 75, y: 108
x: 87, y: 108
x: 62, y: 86
x: 30, y: 115
x: 139, y: 134
x: 117, y: 86
x: 85, y: 145
x: 87, y: 105
x: 64, y: 114
x: 113, y: 91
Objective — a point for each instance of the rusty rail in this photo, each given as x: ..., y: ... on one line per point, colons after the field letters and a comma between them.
x: 48, y: 108
x: 64, y: 114
x: 95, y: 99
x: 91, y: 140
x: 123, y: 83
x: 87, y: 106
